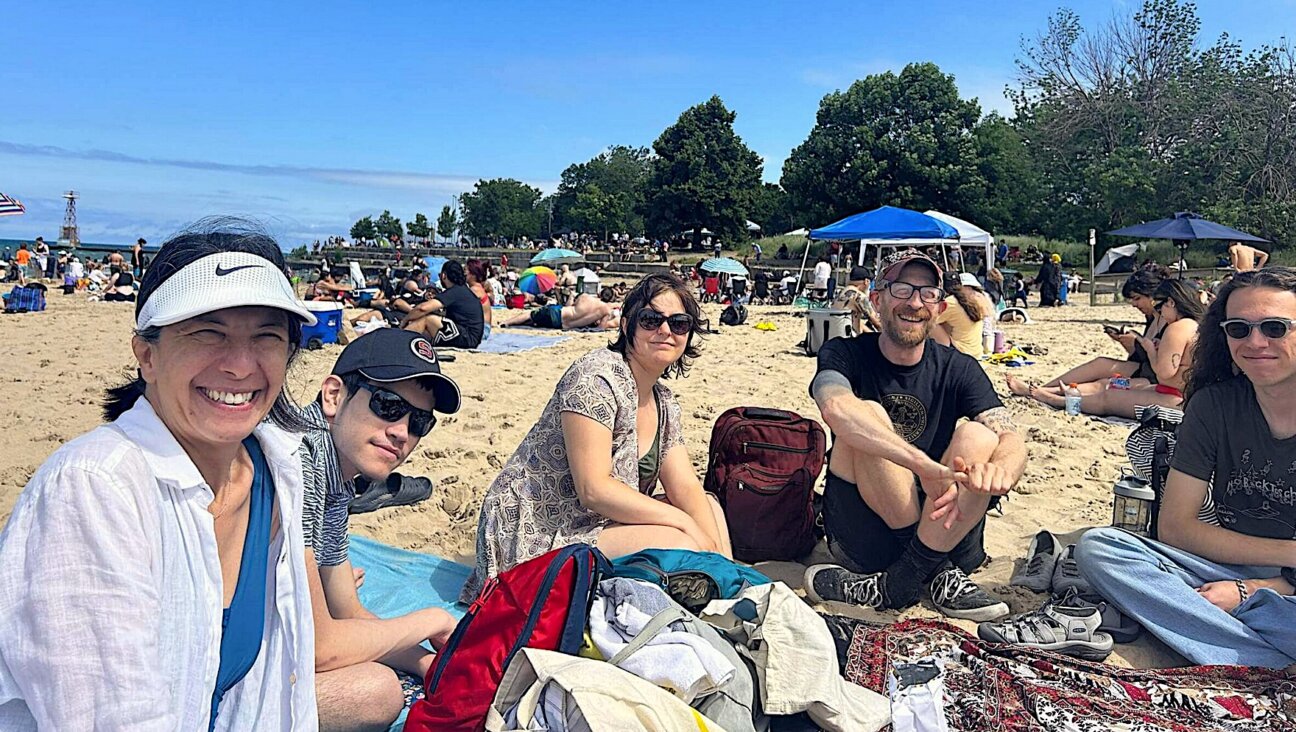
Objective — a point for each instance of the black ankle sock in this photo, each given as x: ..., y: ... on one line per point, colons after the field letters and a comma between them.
x: 907, y: 576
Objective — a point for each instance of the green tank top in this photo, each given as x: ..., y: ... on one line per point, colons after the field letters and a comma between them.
x: 651, y: 461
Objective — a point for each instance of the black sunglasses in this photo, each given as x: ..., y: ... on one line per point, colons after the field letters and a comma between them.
x: 680, y: 323
x: 1272, y: 328
x: 392, y: 407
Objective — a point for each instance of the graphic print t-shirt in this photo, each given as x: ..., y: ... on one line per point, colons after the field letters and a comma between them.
x: 463, y: 307
x: 1254, y: 473
x: 926, y: 400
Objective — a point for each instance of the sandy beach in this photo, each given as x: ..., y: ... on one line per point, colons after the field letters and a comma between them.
x: 57, y: 364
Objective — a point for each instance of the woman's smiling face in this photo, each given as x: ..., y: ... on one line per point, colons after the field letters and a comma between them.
x: 213, y: 378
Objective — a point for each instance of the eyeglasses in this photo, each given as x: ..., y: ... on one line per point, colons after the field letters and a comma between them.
x: 680, y: 323
x: 392, y: 407
x: 904, y: 290
x: 1272, y: 328
x: 1158, y: 304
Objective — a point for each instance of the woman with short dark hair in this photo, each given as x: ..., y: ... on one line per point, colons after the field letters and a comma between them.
x: 152, y: 574
x: 588, y: 469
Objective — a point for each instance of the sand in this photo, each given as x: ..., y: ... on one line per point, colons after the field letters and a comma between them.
x: 58, y: 362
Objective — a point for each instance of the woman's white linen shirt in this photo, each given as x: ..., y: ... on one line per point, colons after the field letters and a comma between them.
x: 111, y: 592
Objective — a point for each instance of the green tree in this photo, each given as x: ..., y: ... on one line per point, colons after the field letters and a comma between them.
x: 621, y: 174
x: 772, y: 209
x: 419, y: 228
x: 703, y: 175
x: 1010, y: 201
x: 503, y: 207
x: 902, y: 140
x: 446, y: 223
x: 364, y: 229
x: 597, y: 211
x: 389, y: 226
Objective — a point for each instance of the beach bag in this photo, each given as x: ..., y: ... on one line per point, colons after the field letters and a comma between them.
x: 542, y: 603
x: 735, y: 314
x: 25, y: 299
x: 763, y: 467
x: 1150, y: 448
x: 693, y: 579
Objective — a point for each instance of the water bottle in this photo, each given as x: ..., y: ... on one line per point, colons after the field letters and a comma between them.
x: 1118, y: 382
x: 1072, y: 400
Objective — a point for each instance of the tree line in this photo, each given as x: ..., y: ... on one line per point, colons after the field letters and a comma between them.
x: 1112, y: 124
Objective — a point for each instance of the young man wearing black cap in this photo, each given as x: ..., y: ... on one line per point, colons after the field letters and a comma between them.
x: 369, y: 416
x: 855, y: 298
x: 908, y: 487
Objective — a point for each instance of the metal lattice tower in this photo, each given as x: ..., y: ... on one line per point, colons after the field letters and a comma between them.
x: 69, y: 235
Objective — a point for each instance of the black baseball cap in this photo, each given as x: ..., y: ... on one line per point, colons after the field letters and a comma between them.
x: 858, y: 274
x: 388, y: 355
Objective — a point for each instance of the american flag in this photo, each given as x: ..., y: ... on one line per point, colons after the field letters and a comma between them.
x: 10, y: 206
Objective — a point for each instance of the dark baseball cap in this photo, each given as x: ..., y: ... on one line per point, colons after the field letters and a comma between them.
x: 388, y: 355
x: 858, y: 274
x: 893, y: 263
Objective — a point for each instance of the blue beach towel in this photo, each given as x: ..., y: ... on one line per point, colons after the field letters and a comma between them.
x: 398, y: 581
x: 505, y: 341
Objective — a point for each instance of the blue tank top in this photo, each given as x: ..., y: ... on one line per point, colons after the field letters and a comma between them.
x: 243, y: 622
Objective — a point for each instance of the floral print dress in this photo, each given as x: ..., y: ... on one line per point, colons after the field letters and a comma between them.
x: 532, y: 507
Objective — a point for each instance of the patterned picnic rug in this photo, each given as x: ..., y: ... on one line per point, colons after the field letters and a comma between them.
x: 999, y: 687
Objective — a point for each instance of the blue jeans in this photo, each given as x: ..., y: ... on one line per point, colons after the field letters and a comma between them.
x: 1156, y: 584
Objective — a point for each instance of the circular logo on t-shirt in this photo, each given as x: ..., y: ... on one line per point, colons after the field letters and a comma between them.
x: 907, y: 414
x: 423, y: 349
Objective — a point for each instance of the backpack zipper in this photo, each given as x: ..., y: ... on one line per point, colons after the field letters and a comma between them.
x: 779, y: 448
x: 443, y: 655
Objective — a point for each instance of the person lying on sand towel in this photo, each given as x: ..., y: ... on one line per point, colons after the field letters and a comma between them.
x: 587, y: 470
x: 908, y: 486
x: 152, y: 573
x: 1169, y: 359
x: 453, y: 318
x: 586, y: 311
x: 1222, y: 594
x: 370, y: 414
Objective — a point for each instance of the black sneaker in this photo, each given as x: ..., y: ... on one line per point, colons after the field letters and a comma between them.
x: 831, y: 583
x: 954, y: 594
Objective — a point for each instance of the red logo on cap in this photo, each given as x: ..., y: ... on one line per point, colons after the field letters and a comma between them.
x: 423, y: 349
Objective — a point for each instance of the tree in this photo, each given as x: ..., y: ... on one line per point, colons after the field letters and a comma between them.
x: 597, y: 211
x: 621, y: 174
x: 364, y: 229
x: 389, y: 226
x: 902, y: 140
x: 419, y: 228
x: 703, y: 175
x: 772, y: 209
x: 502, y: 207
x: 1011, y: 199
x: 447, y: 222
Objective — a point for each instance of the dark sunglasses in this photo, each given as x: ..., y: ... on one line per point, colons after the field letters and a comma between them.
x: 392, y: 407
x: 680, y: 323
x: 904, y: 290
x: 1158, y: 304
x: 1272, y: 328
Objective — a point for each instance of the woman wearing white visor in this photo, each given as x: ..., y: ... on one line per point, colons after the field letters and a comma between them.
x: 152, y: 574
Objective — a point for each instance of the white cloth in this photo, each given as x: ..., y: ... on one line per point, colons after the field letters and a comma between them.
x: 573, y: 694
x: 678, y: 661
x: 111, y: 592
x: 919, y: 707
x: 76, y: 269
x: 822, y: 273
x: 796, y: 660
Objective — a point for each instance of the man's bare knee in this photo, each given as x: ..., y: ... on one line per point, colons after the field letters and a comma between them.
x: 974, y: 441
x: 366, y: 696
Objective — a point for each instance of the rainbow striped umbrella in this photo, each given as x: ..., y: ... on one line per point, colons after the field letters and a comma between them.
x: 537, y: 280
x: 10, y: 206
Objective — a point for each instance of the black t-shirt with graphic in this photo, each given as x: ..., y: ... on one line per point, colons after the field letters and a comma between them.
x: 1225, y: 438
x: 463, y: 307
x: 925, y: 401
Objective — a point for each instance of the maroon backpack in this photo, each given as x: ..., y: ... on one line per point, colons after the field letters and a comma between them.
x: 763, y: 469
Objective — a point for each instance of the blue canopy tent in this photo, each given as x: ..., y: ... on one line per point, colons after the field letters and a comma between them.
x: 891, y: 228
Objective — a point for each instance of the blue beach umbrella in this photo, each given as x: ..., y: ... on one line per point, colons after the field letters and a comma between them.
x: 724, y: 265
x: 550, y: 257
x: 434, y: 265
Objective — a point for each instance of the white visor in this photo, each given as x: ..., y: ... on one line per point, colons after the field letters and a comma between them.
x: 219, y: 281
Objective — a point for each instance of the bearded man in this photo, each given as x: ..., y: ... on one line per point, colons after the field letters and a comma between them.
x: 908, y: 484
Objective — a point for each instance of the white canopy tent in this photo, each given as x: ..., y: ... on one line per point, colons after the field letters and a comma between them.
x: 798, y: 232
x: 753, y: 226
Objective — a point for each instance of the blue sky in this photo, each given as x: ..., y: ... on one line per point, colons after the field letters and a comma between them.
x: 309, y: 115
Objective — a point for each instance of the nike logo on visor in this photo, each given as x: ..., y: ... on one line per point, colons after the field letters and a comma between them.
x: 222, y: 272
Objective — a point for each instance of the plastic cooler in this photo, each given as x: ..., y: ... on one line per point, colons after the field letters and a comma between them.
x: 329, y: 325
x: 824, y: 324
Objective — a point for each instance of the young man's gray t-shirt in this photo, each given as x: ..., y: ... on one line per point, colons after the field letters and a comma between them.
x: 1224, y: 437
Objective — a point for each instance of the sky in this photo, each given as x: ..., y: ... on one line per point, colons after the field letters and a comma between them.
x: 308, y: 115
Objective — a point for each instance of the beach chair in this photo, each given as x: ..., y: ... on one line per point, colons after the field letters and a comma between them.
x: 711, y: 289
x: 761, y: 291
